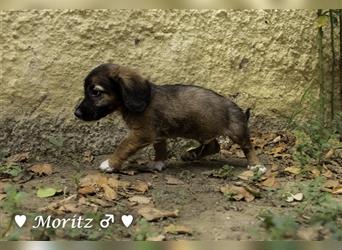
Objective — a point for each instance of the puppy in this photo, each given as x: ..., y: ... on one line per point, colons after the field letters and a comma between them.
x: 154, y: 113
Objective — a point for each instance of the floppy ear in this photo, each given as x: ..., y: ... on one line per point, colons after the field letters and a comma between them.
x: 135, y: 90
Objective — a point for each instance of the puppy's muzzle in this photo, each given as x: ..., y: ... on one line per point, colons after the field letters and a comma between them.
x: 78, y: 113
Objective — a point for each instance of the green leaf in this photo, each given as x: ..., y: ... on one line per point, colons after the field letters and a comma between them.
x: 322, y: 21
x: 46, y: 192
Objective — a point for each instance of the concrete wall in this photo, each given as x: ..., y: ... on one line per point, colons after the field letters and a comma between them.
x: 268, y: 57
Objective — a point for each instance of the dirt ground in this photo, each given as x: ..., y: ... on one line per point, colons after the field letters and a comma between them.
x: 212, y: 199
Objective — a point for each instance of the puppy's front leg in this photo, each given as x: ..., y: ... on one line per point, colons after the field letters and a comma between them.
x: 130, y: 145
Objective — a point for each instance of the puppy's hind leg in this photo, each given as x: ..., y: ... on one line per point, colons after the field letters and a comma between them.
x: 240, y: 135
x: 205, y: 149
x: 160, y: 148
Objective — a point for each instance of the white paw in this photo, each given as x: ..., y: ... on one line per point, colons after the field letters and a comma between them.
x: 260, y: 168
x: 104, y: 166
x: 156, y: 165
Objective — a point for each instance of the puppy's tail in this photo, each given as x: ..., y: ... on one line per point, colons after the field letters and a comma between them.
x: 248, y: 113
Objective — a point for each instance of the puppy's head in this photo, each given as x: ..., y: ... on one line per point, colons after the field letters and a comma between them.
x: 110, y: 87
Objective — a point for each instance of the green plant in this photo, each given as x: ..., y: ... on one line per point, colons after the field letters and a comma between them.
x: 279, y: 226
x: 225, y: 172
x: 313, y: 140
x: 11, y: 170
x: 11, y: 205
x: 144, y: 230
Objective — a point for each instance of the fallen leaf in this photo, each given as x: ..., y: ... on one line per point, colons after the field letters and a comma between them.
x: 298, y: 197
x: 70, y: 208
x: 54, y: 205
x: 140, y: 199
x: 177, y: 229
x: 269, y: 182
x: 170, y: 180
x: 290, y: 199
x: 109, y: 193
x: 327, y: 173
x: 139, y: 186
x: 337, y: 190
x: 42, y: 169
x: 21, y: 157
x: 293, y: 170
x: 93, y: 179
x: 329, y: 154
x: 315, y: 172
x: 113, y: 182
x: 281, y: 148
x: 156, y: 238
x: 277, y: 139
x: 246, y: 175
x: 46, y: 192
x: 99, y: 202
x: 295, y: 197
x: 331, y: 184
x: 87, y: 190
x: 238, y: 193
x: 153, y: 214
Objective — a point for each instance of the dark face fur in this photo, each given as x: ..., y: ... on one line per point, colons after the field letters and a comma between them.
x: 110, y: 87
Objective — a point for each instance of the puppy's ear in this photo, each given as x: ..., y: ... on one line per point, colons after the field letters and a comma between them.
x: 135, y: 90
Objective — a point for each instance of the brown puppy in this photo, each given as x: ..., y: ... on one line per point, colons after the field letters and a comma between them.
x: 154, y: 113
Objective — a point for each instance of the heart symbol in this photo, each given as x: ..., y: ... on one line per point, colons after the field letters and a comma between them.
x: 127, y: 220
x: 20, y: 220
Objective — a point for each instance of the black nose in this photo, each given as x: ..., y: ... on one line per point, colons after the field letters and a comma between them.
x: 78, y: 113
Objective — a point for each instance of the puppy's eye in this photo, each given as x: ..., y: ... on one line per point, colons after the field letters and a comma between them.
x: 96, y: 93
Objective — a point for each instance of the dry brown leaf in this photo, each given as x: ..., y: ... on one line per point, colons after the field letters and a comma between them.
x: 238, y: 192
x: 109, y: 193
x: 178, y: 229
x: 329, y: 154
x: 293, y: 170
x: 93, y: 179
x: 153, y: 214
x: 269, y: 182
x: 140, y: 199
x: 87, y: 190
x: 42, y: 169
x: 124, y: 184
x: 246, y: 175
x: 21, y: 157
x: 99, y: 202
x: 70, y: 208
x: 281, y: 148
x: 113, y: 182
x: 173, y: 181
x: 139, y: 186
x: 331, y: 184
x: 328, y: 174
x: 337, y: 190
x: 54, y: 205
x: 315, y: 172
x: 156, y: 238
